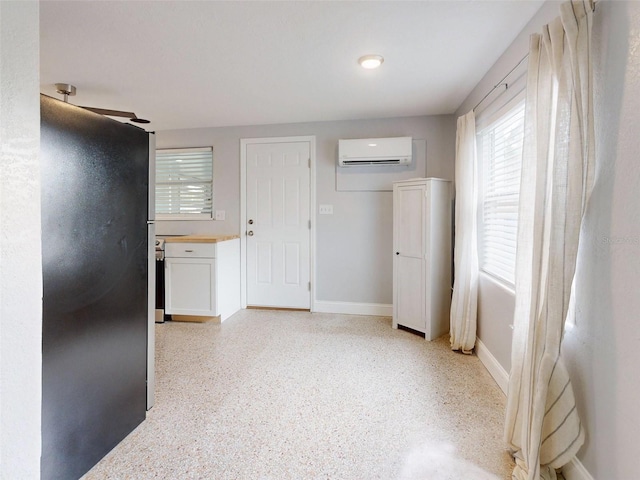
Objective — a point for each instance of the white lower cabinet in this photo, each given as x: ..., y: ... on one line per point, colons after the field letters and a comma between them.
x: 422, y: 225
x: 202, y: 279
x: 190, y: 286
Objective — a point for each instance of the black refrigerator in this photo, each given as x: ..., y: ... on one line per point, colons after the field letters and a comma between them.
x: 95, y: 255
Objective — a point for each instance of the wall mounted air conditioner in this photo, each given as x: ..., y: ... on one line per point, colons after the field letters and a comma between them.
x: 374, y: 151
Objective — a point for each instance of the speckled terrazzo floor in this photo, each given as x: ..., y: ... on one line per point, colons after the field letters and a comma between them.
x: 292, y: 395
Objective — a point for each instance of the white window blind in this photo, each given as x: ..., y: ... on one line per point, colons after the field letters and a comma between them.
x: 184, y: 183
x: 500, y: 153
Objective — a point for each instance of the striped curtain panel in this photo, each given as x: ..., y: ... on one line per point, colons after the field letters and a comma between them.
x: 542, y: 424
x: 464, y: 302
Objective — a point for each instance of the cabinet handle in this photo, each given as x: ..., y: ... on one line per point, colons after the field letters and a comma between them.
x: 250, y: 233
x: 189, y: 251
x: 397, y: 253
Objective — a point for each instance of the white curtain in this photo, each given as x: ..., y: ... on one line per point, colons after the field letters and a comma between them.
x: 465, y: 289
x: 542, y: 425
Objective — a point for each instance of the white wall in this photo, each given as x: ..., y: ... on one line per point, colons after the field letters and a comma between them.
x: 20, y: 257
x: 496, y: 303
x: 603, y: 350
x: 353, y: 246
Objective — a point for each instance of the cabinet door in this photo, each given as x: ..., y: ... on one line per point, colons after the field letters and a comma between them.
x: 409, y: 244
x: 190, y: 286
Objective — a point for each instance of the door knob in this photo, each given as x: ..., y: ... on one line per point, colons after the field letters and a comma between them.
x: 250, y: 233
x: 250, y: 222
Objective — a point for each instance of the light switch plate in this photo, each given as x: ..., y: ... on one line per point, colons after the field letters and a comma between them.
x: 326, y: 210
x: 220, y: 214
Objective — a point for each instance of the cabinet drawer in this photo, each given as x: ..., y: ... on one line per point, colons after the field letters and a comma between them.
x: 190, y: 250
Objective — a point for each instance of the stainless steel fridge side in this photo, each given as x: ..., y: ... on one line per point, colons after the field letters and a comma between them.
x: 151, y: 310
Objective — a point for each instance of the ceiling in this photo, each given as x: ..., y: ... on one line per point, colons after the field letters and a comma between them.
x: 189, y: 64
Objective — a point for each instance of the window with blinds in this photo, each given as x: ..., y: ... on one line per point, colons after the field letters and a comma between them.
x: 500, y: 155
x: 184, y: 184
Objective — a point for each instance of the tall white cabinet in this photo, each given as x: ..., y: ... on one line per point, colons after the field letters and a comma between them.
x: 422, y: 225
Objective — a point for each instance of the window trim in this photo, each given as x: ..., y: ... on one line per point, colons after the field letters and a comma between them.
x: 185, y: 216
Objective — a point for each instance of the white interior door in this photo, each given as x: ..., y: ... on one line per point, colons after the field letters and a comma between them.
x: 278, y: 224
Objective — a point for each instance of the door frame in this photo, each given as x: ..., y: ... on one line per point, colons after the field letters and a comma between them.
x: 244, y: 142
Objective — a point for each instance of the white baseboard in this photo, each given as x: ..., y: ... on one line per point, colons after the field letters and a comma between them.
x: 349, y: 308
x: 574, y: 470
x: 496, y: 370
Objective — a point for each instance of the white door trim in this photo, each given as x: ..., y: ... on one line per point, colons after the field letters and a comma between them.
x: 243, y: 210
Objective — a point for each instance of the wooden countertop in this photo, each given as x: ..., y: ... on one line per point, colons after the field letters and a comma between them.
x: 200, y: 238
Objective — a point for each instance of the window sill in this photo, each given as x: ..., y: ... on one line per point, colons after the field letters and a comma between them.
x: 503, y: 284
x: 170, y: 218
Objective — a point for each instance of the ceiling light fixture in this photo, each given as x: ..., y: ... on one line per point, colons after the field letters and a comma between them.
x: 69, y: 90
x: 370, y: 61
